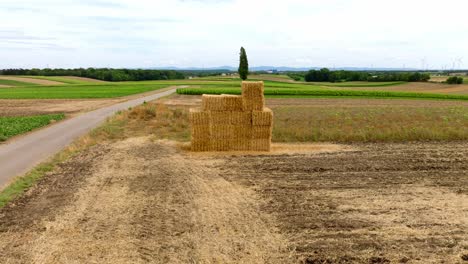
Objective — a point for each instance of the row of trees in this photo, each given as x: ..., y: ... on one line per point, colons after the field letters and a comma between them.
x: 454, y: 80
x: 325, y: 75
x: 105, y: 74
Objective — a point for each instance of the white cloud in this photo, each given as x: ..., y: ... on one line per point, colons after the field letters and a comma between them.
x: 142, y: 33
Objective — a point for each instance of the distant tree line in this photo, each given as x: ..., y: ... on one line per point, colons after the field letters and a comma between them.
x: 105, y: 74
x: 325, y: 75
x: 297, y: 76
x: 204, y: 73
x: 454, y: 80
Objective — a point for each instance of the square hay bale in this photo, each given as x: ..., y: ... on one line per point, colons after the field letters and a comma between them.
x: 239, y: 144
x: 220, y: 117
x: 221, y: 132
x: 220, y: 145
x: 212, y: 102
x: 241, y: 118
x: 201, y: 144
x: 232, y: 102
x: 261, y: 132
x: 201, y: 131
x: 225, y: 102
x: 263, y: 144
x: 199, y: 117
x: 254, y: 104
x: 252, y: 89
x: 242, y: 132
x: 262, y: 118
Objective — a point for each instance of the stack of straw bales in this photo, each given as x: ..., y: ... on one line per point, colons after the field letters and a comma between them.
x: 231, y: 122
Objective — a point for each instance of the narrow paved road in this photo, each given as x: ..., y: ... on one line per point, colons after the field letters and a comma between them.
x: 21, y: 155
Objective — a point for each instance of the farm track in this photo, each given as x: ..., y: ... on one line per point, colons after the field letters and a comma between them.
x: 141, y: 201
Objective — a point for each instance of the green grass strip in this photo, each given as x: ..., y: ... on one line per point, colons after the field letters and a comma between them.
x: 20, y: 185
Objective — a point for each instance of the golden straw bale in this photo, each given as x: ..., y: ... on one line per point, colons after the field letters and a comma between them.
x: 220, y: 117
x: 221, y: 132
x: 201, y: 144
x: 199, y: 117
x: 254, y: 104
x: 242, y: 131
x: 252, y: 89
x: 212, y: 102
x: 220, y: 145
x: 241, y: 118
x: 241, y: 144
x: 263, y: 144
x: 232, y: 102
x: 225, y: 102
x: 201, y: 131
x: 262, y: 118
x: 261, y: 132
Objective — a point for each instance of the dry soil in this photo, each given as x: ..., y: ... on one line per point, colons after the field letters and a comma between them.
x: 31, y: 80
x: 144, y: 201
x: 28, y: 107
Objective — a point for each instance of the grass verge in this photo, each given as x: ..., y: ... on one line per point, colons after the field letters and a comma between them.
x: 15, y: 125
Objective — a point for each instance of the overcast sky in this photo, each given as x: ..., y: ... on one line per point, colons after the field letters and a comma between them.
x: 205, y: 33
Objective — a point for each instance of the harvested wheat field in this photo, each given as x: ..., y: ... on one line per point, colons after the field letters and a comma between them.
x: 31, y: 80
x: 27, y: 107
x: 144, y: 201
x: 84, y: 79
x: 421, y: 87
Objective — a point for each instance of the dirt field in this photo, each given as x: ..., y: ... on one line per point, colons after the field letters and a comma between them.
x: 26, y: 107
x: 422, y: 87
x: 31, y: 80
x: 438, y: 78
x: 84, y: 79
x: 144, y: 201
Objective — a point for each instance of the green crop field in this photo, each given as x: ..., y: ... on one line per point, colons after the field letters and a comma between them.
x: 77, y: 91
x: 12, y: 126
x: 15, y: 83
x: 321, y: 92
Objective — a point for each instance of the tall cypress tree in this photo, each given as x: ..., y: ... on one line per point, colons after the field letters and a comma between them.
x: 243, y: 64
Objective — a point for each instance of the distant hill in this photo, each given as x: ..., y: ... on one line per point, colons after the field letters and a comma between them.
x: 280, y: 68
